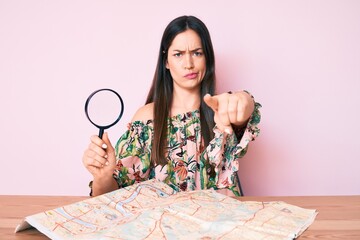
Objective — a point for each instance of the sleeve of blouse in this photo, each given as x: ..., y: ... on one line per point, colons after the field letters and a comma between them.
x: 133, y: 155
x: 220, y: 159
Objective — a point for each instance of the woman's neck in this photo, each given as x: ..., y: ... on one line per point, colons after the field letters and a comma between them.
x: 184, y: 101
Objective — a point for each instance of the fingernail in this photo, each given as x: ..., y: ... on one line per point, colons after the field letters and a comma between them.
x: 104, y: 146
x: 107, y: 163
x: 227, y: 130
x: 105, y: 156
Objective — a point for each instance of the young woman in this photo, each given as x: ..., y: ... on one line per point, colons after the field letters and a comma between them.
x: 185, y: 135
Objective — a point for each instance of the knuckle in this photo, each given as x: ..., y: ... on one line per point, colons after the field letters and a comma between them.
x: 91, y: 154
x: 222, y: 112
x: 95, y: 139
x: 232, y: 111
x: 96, y: 163
x: 242, y: 108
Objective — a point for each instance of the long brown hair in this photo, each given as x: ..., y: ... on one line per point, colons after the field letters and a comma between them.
x: 161, y: 90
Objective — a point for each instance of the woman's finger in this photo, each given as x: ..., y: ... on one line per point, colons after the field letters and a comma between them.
x: 98, y: 141
x: 110, y: 151
x: 211, y: 101
x: 223, y: 109
x: 233, y: 108
x: 97, y: 149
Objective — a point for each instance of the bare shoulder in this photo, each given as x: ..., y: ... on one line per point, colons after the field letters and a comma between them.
x: 144, y: 113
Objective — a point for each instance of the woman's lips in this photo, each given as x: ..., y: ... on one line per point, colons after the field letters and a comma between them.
x: 191, y: 75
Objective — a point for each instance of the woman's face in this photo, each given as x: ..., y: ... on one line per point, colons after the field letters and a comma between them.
x: 186, y: 60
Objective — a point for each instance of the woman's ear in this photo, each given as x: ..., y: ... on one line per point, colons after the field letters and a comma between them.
x: 167, y: 64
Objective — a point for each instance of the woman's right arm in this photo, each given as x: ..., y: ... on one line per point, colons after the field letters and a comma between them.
x: 99, y: 160
x: 133, y: 154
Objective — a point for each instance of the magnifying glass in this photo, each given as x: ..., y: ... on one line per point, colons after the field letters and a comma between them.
x: 104, y: 108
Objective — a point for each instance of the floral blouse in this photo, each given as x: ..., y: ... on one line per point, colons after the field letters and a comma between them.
x: 191, y: 165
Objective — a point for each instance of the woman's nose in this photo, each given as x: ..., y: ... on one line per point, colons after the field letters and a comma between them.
x: 188, y: 63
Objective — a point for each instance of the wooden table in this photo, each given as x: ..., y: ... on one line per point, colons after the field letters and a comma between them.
x: 338, y: 218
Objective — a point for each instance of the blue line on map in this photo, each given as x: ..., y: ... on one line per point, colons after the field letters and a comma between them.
x: 71, y: 218
x: 119, y: 205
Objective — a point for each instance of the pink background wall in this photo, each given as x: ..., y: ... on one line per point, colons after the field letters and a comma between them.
x: 300, y: 59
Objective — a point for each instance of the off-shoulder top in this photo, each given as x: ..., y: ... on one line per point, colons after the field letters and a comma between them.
x: 191, y: 165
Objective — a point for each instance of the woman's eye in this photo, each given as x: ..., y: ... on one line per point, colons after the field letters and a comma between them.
x: 198, y: 54
x: 177, y: 54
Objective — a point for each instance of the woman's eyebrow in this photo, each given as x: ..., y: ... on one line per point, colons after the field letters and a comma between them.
x: 181, y: 51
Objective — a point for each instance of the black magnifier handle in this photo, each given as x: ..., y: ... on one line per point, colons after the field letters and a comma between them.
x: 101, y: 132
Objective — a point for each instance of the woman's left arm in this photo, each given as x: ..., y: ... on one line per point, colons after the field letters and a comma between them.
x: 232, y: 135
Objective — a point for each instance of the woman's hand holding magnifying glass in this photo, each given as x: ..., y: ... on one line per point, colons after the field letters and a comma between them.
x: 99, y: 157
x: 99, y: 160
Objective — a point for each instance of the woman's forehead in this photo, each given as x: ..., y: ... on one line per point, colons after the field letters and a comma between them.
x: 187, y: 40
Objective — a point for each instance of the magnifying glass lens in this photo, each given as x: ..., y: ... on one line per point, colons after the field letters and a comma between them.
x: 104, y: 109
